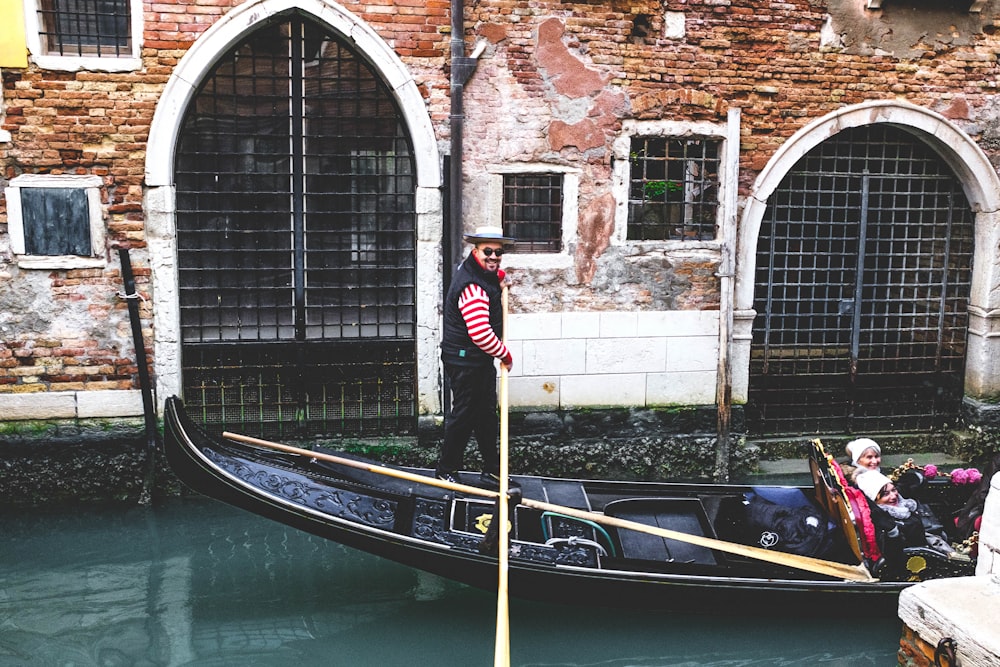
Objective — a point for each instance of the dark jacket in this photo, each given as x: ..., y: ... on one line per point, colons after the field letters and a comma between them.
x: 894, y: 535
x: 456, y: 345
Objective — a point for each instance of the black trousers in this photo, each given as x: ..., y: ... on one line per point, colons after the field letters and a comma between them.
x: 473, y: 410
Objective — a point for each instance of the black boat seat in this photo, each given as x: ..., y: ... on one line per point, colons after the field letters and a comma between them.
x: 682, y: 515
x: 565, y: 493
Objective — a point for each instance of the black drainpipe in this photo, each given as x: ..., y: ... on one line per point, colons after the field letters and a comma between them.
x: 462, y: 67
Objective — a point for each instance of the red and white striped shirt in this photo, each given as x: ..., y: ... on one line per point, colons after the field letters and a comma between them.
x: 474, y: 305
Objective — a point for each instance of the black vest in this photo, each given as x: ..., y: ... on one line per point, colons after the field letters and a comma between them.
x: 456, y: 345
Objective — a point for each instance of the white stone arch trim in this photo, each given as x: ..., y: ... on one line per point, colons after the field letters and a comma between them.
x: 244, y: 19
x: 982, y: 188
x: 160, y: 196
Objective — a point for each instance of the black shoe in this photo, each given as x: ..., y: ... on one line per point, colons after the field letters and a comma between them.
x: 446, y: 477
x: 491, y: 480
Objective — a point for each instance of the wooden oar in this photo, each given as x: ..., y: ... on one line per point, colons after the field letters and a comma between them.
x: 501, y: 655
x: 806, y: 563
x: 361, y: 465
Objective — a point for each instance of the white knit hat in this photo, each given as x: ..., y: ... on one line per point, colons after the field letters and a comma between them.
x: 871, y: 482
x: 857, y: 447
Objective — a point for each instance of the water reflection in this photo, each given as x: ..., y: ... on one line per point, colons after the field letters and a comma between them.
x: 194, y: 582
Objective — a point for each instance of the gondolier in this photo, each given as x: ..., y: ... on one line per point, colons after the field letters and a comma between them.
x: 472, y: 338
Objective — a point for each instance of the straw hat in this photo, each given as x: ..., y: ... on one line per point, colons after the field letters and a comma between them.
x: 485, y: 234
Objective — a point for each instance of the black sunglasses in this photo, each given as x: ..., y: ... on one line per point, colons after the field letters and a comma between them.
x: 489, y: 252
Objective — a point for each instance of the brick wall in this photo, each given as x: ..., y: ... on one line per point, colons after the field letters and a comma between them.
x: 555, y: 84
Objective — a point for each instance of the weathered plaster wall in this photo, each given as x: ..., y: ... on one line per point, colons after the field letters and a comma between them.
x: 904, y: 29
x: 66, y: 335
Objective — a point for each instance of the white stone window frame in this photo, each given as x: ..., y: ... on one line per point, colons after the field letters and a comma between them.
x: 15, y: 221
x: 570, y: 213
x: 74, y: 63
x: 726, y: 132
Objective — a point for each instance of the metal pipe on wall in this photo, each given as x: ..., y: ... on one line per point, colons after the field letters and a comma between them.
x: 462, y: 67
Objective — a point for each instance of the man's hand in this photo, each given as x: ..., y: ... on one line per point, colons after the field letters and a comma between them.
x: 508, y: 362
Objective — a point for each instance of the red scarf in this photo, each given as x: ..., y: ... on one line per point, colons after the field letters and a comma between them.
x: 862, y: 514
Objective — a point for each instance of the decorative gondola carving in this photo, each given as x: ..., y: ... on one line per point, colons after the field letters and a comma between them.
x: 350, y: 505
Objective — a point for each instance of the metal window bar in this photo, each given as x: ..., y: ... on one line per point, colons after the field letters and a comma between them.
x: 85, y: 27
x: 863, y: 273
x: 532, y: 211
x: 297, y: 241
x: 673, y: 188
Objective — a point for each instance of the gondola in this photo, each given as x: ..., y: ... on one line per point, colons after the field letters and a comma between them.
x: 669, y: 546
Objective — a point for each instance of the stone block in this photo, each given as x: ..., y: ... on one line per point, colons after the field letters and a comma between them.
x: 554, y: 357
x: 110, y: 403
x: 963, y: 609
x: 621, y: 324
x: 692, y: 353
x: 679, y: 323
x: 616, y: 390
x: 58, y: 405
x: 537, y: 391
x: 689, y: 388
x: 626, y: 355
x: 534, y: 326
x: 581, y: 325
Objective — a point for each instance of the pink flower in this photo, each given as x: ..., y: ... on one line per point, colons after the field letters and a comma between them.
x: 930, y: 471
x: 974, y: 475
x: 959, y: 476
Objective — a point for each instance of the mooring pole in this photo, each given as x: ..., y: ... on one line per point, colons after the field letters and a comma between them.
x: 724, y: 380
x: 148, y: 409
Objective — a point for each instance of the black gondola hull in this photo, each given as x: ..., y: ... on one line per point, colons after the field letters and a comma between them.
x: 430, y: 529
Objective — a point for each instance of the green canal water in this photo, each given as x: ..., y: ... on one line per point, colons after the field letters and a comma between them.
x: 195, y: 582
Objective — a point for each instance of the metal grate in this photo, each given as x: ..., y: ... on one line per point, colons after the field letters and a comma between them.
x: 296, y: 238
x: 85, y: 27
x: 320, y: 389
x: 864, y: 264
x: 673, y: 188
x: 532, y: 211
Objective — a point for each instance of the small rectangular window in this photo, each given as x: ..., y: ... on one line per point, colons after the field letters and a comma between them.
x: 533, y: 211
x: 673, y: 188
x: 85, y: 27
x: 56, y: 221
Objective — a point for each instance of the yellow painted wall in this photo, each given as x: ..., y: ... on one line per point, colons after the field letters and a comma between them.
x: 13, y: 48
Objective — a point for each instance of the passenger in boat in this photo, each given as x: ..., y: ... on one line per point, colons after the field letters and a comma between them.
x: 865, y: 455
x: 472, y: 338
x: 915, y: 522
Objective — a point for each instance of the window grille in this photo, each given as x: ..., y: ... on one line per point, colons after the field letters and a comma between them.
x: 85, y: 27
x: 532, y: 211
x: 296, y: 235
x: 864, y: 265
x: 673, y: 188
